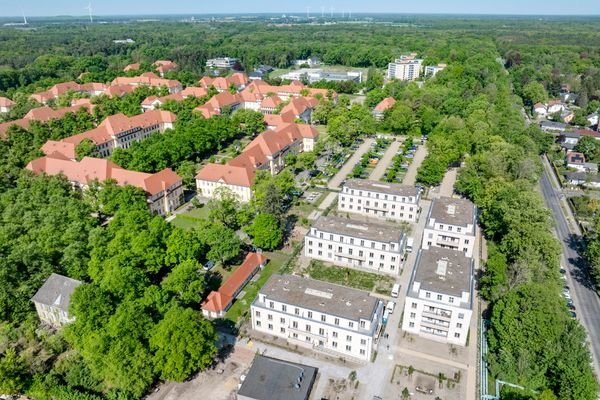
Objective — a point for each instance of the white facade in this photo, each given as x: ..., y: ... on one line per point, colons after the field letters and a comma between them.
x: 405, y: 68
x: 166, y: 201
x: 207, y: 189
x: 53, y: 316
x: 450, y: 225
x: 221, y: 62
x: 336, y: 327
x: 374, y: 247
x: 439, y: 299
x: 5, y: 109
x: 124, y: 140
x: 432, y: 70
x: 379, y: 199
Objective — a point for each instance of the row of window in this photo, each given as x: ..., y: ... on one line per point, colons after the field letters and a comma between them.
x: 351, y: 241
x: 450, y: 228
x: 383, y: 213
x: 383, y: 196
x: 433, y: 309
x: 351, y: 251
x: 309, y: 315
x: 376, y: 204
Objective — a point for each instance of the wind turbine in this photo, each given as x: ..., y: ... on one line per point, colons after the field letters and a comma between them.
x: 89, y: 8
x: 24, y: 17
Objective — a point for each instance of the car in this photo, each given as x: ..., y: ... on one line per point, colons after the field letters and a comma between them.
x: 573, y: 314
x: 566, y: 289
x: 567, y: 295
x: 390, y: 307
x: 570, y: 306
x: 208, y: 266
x: 563, y: 271
x: 569, y: 302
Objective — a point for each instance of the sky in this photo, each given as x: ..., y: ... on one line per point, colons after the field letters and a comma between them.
x: 148, y: 7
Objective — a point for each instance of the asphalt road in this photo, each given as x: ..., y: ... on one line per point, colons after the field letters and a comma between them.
x: 336, y: 181
x: 585, y: 298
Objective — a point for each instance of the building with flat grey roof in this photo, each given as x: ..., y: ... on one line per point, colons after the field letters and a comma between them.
x: 451, y: 224
x: 361, y: 245
x: 275, y: 379
x: 439, y: 301
x: 380, y: 199
x: 53, y: 298
x: 319, y: 315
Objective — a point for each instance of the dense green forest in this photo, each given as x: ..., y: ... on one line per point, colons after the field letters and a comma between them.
x: 134, y: 295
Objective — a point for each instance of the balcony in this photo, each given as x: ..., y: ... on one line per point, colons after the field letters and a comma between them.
x: 435, y: 324
x: 448, y: 241
x: 434, y: 333
x: 438, y: 314
x: 350, y: 256
x: 305, y: 333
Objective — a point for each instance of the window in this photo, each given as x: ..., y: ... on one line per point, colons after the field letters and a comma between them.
x: 363, y: 341
x: 393, y: 259
x: 459, y: 325
x: 270, y: 327
x: 350, y: 324
x: 309, y: 251
x: 295, y: 324
x: 257, y: 313
x: 412, y: 315
x: 439, y: 297
x: 457, y: 335
x: 371, y: 255
x: 257, y: 323
x: 308, y: 338
x: 383, y: 247
x: 459, y: 229
x: 310, y: 242
x: 283, y: 308
x: 297, y: 311
x: 362, y: 324
x: 351, y: 241
x: 282, y: 320
x: 334, y: 345
x: 330, y: 237
x: 411, y: 324
x: 282, y: 330
x: 414, y: 305
x: 428, y: 295
x: 466, y: 241
x: 323, y: 317
x: 336, y: 321
x: 271, y: 304
x: 461, y: 316
x: 382, y: 257
x: 334, y: 334
x: 348, y: 338
x: 321, y: 331
x: 449, y: 229
x: 295, y: 335
x: 309, y: 314
x: 451, y: 299
x: 307, y: 328
x: 362, y: 352
x: 270, y: 317
x: 320, y: 252
x: 348, y: 348
x: 362, y: 242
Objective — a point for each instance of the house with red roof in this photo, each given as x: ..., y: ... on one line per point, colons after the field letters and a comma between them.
x: 132, y: 67
x: 269, y: 104
x: 119, y: 131
x: 89, y: 89
x: 164, y: 190
x: 218, y: 102
x: 218, y: 302
x: 301, y: 108
x: 154, y: 102
x: 6, y: 104
x: 149, y: 79
x: 164, y: 66
x: 238, y: 80
x: 383, y: 106
x: 266, y: 152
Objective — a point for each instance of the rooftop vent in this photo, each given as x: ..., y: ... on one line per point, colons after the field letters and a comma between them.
x: 451, y: 209
x: 360, y: 227
x: 442, y: 266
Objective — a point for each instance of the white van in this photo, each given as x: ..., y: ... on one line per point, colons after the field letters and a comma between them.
x: 390, y: 307
x: 409, y: 244
x: 396, y: 290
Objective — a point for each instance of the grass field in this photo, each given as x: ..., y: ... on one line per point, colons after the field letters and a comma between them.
x: 190, y: 219
x: 350, y: 277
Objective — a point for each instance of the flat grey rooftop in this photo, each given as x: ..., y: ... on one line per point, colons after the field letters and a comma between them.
x: 56, y: 292
x: 363, y: 230
x: 274, y: 379
x: 341, y: 301
x: 444, y: 271
x: 452, y: 211
x: 382, y: 187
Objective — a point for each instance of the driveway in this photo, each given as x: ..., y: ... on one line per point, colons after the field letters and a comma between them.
x: 385, y: 161
x: 411, y: 175
x: 336, y: 181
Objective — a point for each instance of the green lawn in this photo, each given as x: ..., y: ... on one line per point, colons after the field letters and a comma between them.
x: 241, y: 306
x: 190, y: 219
x: 350, y: 277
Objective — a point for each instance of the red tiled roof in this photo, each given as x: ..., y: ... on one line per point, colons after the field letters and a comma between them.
x: 385, y: 104
x: 217, y: 102
x: 6, y: 102
x: 237, y: 79
x: 298, y: 105
x: 62, y: 88
x: 119, y: 90
x: 271, y: 102
x: 147, y: 78
x: 131, y: 67
x: 276, y: 120
x: 192, y: 91
x: 229, y: 174
x: 164, y: 66
x: 219, y: 301
x: 574, y: 157
x: 41, y: 114
x: 52, y: 147
x: 587, y: 132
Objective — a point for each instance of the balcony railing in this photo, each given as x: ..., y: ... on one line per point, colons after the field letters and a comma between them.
x: 438, y: 314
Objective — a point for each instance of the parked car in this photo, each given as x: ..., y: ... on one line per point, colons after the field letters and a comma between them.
x: 208, y: 266
x: 390, y: 306
x: 573, y: 314
x: 567, y: 295
x: 563, y: 271
x: 570, y: 306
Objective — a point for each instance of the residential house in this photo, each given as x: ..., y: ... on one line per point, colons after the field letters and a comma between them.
x: 569, y: 140
x: 119, y: 131
x: 451, y: 224
x: 53, y: 298
x: 577, y: 161
x: 164, y: 66
x: 6, y: 105
x: 591, y: 180
x: 592, y: 118
x: 380, y: 199
x: 61, y: 89
x: 218, y: 302
x: 269, y: 104
x: 275, y: 379
x: 540, y: 109
x: 382, y: 107
x: 132, y: 67
x: 555, y: 106
x: 360, y: 245
x: 318, y: 315
x: 406, y: 68
x: 266, y: 152
x: 119, y: 90
x: 260, y: 72
x: 273, y: 121
x: 552, y: 126
x: 222, y: 62
x: 439, y: 300
x: 164, y: 190
x: 149, y: 79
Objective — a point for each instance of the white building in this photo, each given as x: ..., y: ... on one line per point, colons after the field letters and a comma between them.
x: 313, y: 75
x: 341, y: 241
x: 439, y: 301
x: 406, y: 68
x: 380, y: 199
x: 222, y: 62
x: 432, y: 70
x: 52, y: 300
x: 319, y: 315
x: 451, y: 225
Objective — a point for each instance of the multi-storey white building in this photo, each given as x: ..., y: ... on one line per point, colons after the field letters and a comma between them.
x: 361, y: 245
x: 319, y: 315
x: 432, y: 70
x: 439, y: 301
x: 380, y: 199
x: 406, y: 68
x: 222, y: 62
x: 451, y: 225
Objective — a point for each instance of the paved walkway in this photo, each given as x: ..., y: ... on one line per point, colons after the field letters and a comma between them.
x: 446, y: 188
x: 328, y: 200
x: 385, y: 161
x: 336, y: 181
x: 411, y: 175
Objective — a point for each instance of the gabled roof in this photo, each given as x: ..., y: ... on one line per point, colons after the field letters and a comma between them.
x: 164, y: 66
x: 574, y: 157
x: 237, y: 79
x: 588, y: 132
x: 6, y: 102
x: 56, y: 292
x: 385, y: 104
x: 119, y: 90
x: 271, y: 102
x: 229, y: 174
x: 147, y: 78
x: 217, y: 102
x: 299, y: 105
x: 192, y: 91
x: 132, y: 67
x: 215, y: 302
